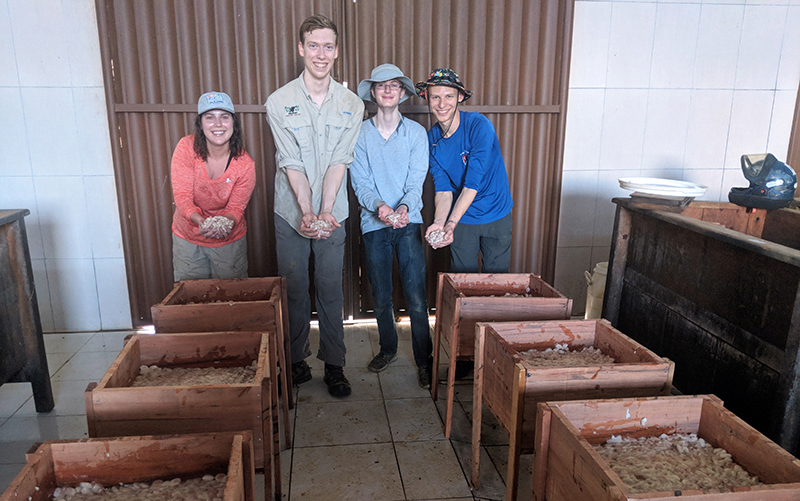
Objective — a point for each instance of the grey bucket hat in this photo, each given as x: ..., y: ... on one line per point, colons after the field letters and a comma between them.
x: 384, y: 73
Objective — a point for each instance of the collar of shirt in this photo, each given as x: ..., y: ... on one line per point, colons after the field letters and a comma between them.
x: 328, y: 95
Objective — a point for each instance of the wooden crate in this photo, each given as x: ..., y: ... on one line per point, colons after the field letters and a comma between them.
x: 63, y: 463
x: 511, y: 387
x: 463, y: 299
x: 239, y: 304
x: 716, y: 290
x: 566, y: 467
x: 114, y: 408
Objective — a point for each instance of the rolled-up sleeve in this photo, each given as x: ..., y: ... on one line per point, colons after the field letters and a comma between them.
x: 344, y: 151
x: 288, y: 154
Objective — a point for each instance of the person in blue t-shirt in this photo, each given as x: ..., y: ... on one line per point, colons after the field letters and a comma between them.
x: 473, y: 200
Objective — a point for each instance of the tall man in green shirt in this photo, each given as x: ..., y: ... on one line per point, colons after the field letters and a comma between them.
x: 315, y: 123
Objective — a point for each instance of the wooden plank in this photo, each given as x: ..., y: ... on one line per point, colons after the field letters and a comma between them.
x: 90, y: 418
x: 437, y: 335
x: 748, y: 447
x: 541, y: 451
x: 234, y: 488
x: 620, y: 238
x: 477, y: 403
x: 515, y: 438
x: 140, y: 459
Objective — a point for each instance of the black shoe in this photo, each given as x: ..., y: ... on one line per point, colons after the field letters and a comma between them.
x: 463, y: 368
x: 381, y: 361
x: 338, y: 385
x: 301, y: 373
x: 424, y: 377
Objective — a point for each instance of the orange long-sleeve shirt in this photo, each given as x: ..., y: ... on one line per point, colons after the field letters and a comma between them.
x: 193, y: 192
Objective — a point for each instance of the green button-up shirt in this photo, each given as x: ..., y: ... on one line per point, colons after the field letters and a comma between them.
x: 311, y: 138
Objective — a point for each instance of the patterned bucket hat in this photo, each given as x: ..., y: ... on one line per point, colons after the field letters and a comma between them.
x: 442, y: 76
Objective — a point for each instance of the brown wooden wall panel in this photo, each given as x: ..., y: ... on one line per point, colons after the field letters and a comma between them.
x: 159, y: 56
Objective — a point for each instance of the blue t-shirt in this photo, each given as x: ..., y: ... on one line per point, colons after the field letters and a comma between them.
x: 471, y: 158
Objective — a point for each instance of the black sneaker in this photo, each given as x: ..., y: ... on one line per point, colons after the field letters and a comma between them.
x: 424, y: 377
x: 338, y: 385
x: 301, y: 373
x: 381, y: 361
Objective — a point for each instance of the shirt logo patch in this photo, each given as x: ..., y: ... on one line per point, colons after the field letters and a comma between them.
x: 465, y: 157
x: 292, y: 111
x: 347, y: 113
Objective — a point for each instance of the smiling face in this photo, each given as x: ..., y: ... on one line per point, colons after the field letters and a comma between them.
x: 217, y: 127
x: 388, y: 94
x: 319, y: 51
x: 443, y: 100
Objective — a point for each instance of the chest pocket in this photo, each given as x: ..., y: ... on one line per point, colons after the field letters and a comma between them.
x: 335, y: 126
x: 300, y: 127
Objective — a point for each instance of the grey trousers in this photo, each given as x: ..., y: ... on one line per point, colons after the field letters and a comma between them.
x: 294, y: 253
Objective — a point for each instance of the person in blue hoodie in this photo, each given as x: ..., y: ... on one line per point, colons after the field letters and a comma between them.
x: 473, y: 200
x: 390, y: 165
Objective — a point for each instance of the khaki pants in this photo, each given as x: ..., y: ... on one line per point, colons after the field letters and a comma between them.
x: 195, y: 262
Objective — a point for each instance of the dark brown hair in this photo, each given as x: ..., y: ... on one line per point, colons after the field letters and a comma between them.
x: 235, y: 145
x: 318, y: 22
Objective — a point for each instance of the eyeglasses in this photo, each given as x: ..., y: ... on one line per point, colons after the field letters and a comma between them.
x: 393, y: 87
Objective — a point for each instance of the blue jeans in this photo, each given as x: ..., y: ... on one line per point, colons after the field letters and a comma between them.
x: 381, y: 245
x: 294, y: 252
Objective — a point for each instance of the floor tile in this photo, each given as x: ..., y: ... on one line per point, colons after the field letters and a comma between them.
x: 8, y: 472
x: 491, y: 483
x: 67, y: 342
x: 492, y: 432
x: 68, y: 397
x: 339, y: 423
x: 112, y: 341
x: 499, y: 455
x: 414, y: 419
x: 12, y: 396
x: 430, y: 469
x: 363, y: 384
x: 400, y: 381
x: 352, y: 472
x: 56, y: 361
x: 89, y: 365
x: 460, y: 426
x: 18, y: 434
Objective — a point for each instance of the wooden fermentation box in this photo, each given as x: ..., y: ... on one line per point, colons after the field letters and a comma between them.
x: 463, y: 299
x: 566, y: 466
x: 22, y: 352
x: 114, y: 408
x: 66, y: 463
x: 511, y: 386
x: 715, y: 289
x: 238, y: 304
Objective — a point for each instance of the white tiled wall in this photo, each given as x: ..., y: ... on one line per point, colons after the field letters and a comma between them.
x: 56, y: 162
x: 674, y: 89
